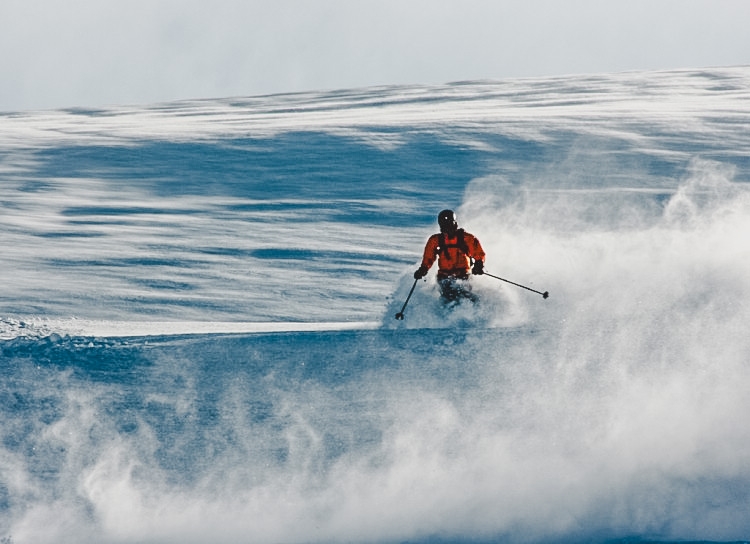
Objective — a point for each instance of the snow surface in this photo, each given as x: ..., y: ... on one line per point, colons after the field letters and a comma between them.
x: 197, y: 316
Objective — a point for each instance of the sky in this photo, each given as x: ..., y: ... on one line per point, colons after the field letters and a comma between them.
x: 96, y: 53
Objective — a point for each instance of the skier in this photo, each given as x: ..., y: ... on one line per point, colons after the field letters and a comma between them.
x: 457, y: 253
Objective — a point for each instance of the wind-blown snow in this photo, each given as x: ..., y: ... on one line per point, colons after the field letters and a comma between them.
x: 198, y: 299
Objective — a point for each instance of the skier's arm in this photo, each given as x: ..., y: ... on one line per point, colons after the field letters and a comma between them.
x: 430, y: 254
x: 430, y: 251
x: 475, y: 249
x: 476, y: 253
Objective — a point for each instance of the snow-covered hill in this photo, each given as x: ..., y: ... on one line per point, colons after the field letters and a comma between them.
x: 197, y: 316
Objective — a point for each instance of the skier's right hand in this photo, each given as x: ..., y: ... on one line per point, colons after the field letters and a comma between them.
x: 421, y: 272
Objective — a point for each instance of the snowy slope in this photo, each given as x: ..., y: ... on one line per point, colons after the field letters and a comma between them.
x: 197, y: 316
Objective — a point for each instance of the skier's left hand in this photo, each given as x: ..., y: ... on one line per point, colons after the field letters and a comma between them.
x: 478, y: 268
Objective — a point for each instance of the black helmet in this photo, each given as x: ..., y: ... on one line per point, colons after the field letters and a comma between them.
x: 447, y: 221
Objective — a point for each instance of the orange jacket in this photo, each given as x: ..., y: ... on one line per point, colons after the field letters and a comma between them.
x: 453, y: 256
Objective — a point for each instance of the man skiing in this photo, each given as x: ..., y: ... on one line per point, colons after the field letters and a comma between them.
x: 455, y: 251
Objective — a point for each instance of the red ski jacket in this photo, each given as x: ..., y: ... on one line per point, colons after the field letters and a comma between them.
x: 454, y: 254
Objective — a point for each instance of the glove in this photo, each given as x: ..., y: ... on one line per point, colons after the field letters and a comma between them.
x: 421, y: 272
x: 478, y: 268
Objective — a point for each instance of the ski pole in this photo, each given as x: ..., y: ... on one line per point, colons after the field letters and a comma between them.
x: 544, y: 295
x: 400, y: 315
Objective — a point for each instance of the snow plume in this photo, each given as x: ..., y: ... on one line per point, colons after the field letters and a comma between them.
x: 637, y: 394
